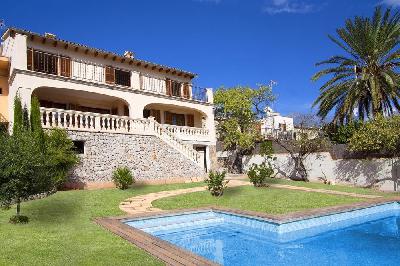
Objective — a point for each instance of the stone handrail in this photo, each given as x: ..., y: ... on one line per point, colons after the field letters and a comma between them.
x: 94, y: 122
x: 187, y: 131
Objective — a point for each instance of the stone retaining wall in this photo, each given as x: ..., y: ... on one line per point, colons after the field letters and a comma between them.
x: 148, y: 157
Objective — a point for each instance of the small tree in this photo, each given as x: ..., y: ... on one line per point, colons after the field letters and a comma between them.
x: 308, y: 139
x: 31, y: 162
x: 216, y: 183
x: 23, y: 171
x: 381, y: 135
x: 237, y: 110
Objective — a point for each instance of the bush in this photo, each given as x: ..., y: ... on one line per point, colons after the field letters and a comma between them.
x: 343, y: 133
x: 61, y: 155
x: 19, y: 219
x: 258, y: 174
x: 122, y: 177
x: 216, y: 183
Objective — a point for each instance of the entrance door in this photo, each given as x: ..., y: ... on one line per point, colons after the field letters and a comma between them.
x: 203, y: 158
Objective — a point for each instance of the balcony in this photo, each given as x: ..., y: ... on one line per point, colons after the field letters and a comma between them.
x: 188, y: 133
x: 95, y: 122
x: 64, y: 66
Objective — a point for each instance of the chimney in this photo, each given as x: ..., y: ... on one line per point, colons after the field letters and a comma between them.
x: 50, y: 35
x: 129, y: 54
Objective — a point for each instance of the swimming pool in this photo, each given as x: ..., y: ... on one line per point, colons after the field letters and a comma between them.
x: 367, y: 236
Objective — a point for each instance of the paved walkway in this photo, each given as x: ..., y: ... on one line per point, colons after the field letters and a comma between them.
x: 142, y: 203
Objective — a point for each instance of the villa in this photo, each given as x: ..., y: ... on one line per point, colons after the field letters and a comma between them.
x: 118, y: 110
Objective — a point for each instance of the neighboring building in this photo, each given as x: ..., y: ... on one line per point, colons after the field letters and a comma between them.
x: 119, y: 110
x: 274, y: 125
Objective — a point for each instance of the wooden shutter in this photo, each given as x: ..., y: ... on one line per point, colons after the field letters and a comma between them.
x: 168, y: 118
x: 190, y: 120
x: 110, y: 75
x: 156, y: 114
x: 30, y: 59
x: 180, y: 119
x: 168, y: 85
x: 65, y: 64
x: 186, y: 93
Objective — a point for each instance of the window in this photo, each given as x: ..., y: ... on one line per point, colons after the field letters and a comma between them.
x: 42, y: 62
x: 173, y: 88
x: 146, y: 113
x: 118, y: 76
x: 154, y: 113
x: 79, y: 146
x: 282, y: 127
x: 122, y: 77
x: 176, y: 89
x: 190, y: 120
x: 174, y: 119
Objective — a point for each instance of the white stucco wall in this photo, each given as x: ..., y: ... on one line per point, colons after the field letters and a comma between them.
x: 359, y: 172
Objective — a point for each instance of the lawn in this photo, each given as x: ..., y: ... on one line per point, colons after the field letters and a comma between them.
x: 343, y: 188
x: 61, y: 230
x: 269, y: 200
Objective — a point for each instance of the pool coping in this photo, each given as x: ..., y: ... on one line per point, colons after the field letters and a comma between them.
x: 174, y: 255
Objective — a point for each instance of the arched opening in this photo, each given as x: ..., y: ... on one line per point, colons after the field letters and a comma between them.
x: 83, y: 101
x: 175, y: 115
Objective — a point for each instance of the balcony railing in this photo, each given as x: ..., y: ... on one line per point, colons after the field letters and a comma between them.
x: 83, y: 70
x: 188, y: 133
x: 279, y: 134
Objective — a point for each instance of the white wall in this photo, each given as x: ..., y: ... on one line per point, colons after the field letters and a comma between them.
x: 358, y: 172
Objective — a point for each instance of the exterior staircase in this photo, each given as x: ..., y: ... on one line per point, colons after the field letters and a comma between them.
x: 94, y: 122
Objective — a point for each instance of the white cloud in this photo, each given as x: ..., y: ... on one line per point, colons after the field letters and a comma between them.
x: 274, y: 7
x: 391, y: 2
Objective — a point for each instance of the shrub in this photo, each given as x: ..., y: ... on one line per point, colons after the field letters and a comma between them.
x: 258, y: 174
x: 343, y: 133
x: 60, y: 153
x: 216, y: 183
x: 122, y: 177
x: 19, y: 219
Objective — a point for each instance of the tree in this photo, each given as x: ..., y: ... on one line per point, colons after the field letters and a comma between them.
x: 364, y: 80
x: 308, y: 139
x: 381, y: 135
x: 237, y: 110
x: 30, y: 165
x: 18, y: 115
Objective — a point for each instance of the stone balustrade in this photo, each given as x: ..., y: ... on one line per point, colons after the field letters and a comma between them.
x: 94, y: 122
x: 188, y: 133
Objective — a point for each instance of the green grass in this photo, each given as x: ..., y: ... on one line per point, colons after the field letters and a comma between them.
x: 268, y: 200
x: 61, y: 230
x: 342, y: 188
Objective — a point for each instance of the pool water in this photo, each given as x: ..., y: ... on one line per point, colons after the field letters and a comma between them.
x: 369, y: 236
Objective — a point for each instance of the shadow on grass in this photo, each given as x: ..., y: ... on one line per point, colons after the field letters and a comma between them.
x: 233, y: 191
x: 53, y: 209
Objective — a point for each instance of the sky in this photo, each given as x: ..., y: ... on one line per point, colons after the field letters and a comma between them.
x: 226, y: 42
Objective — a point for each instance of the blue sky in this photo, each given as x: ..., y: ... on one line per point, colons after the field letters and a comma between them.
x: 227, y: 42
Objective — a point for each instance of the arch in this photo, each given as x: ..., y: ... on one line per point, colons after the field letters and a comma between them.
x: 81, y: 100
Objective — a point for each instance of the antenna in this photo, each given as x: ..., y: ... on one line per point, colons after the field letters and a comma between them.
x: 272, y: 83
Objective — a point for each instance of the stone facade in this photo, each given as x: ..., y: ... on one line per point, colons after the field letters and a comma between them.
x: 148, y: 157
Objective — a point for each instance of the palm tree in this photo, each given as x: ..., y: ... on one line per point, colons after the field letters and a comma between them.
x: 364, y: 82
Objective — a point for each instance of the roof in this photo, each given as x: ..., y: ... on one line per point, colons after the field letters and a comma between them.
x: 115, y: 56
